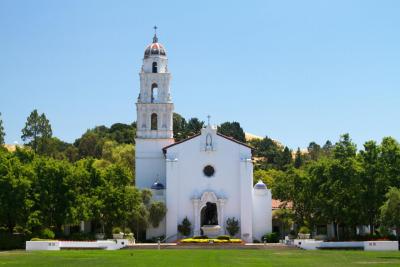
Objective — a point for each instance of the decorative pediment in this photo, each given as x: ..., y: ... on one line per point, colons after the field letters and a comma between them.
x: 208, y: 197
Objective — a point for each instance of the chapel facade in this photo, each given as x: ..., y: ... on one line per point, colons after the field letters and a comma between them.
x: 207, y: 178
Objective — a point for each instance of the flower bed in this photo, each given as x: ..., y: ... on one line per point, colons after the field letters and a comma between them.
x: 210, y: 240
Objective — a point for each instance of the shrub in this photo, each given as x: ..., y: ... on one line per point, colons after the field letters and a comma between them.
x: 184, y: 228
x: 304, y: 230
x: 256, y: 241
x: 232, y: 226
x: 47, y: 234
x: 12, y: 241
x: 224, y: 237
x: 271, y: 237
x: 81, y: 236
x: 116, y: 230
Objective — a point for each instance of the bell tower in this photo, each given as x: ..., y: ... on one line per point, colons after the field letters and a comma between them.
x: 154, y: 109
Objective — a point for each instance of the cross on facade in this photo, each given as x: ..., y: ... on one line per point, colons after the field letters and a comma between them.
x: 208, y: 118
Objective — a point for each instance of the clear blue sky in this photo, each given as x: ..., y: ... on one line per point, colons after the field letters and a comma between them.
x: 297, y: 71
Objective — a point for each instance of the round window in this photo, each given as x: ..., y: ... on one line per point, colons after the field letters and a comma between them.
x: 208, y: 171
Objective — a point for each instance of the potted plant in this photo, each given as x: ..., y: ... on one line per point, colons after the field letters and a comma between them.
x: 185, y: 227
x: 117, y: 233
x: 304, y: 233
x: 99, y: 236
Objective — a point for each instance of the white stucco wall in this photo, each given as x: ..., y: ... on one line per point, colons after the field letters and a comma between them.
x: 150, y: 161
x: 262, y: 212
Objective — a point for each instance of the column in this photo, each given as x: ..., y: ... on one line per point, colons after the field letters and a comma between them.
x: 221, y: 214
x: 196, y: 216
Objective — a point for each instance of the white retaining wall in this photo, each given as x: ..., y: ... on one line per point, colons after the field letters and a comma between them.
x: 57, y: 245
x: 381, y: 245
x: 311, y: 244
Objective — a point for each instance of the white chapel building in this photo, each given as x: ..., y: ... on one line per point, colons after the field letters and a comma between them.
x: 207, y: 178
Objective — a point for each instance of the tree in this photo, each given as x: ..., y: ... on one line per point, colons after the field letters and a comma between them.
x: 327, y: 148
x: 390, y: 210
x: 232, y: 129
x: 2, y: 133
x: 284, y: 217
x: 122, y: 133
x: 314, y: 151
x: 268, y: 150
x: 285, y: 158
x: 90, y: 145
x: 121, y: 154
x: 390, y: 161
x: 179, y: 124
x: 298, y: 159
x: 157, y: 211
x: 14, y: 191
x: 37, y: 129
x: 267, y: 176
x: 194, y: 126
x: 185, y: 227
x: 50, y: 191
x: 232, y: 226
x: 374, y: 184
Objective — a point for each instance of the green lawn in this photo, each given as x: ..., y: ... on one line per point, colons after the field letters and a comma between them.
x: 175, y: 258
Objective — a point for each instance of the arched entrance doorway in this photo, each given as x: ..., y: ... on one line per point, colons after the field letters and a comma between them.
x: 209, y: 214
x: 208, y: 211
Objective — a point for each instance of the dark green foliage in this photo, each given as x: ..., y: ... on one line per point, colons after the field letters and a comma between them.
x: 299, y: 159
x: 47, y: 234
x: 157, y: 212
x: 194, y: 126
x: 390, y: 210
x: 185, y: 227
x: 37, y: 130
x: 2, y: 133
x: 232, y: 226
x: 80, y: 236
x: 91, y: 143
x: 272, y: 154
x: 184, y: 129
x: 232, y: 129
x: 271, y: 238
x: 179, y: 127
x: 9, y: 241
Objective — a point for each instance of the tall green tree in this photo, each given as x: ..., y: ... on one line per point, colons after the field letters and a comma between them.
x: 15, y: 188
x: 179, y: 124
x: 374, y: 185
x: 37, y: 130
x: 2, y: 133
x: 390, y: 210
x: 298, y: 159
x: 194, y: 126
x: 314, y: 151
x: 233, y: 130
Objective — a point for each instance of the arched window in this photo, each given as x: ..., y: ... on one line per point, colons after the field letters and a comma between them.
x: 154, y: 121
x: 154, y: 67
x: 154, y: 93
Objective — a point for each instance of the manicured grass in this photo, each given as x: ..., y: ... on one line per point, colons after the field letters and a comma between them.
x: 200, y: 257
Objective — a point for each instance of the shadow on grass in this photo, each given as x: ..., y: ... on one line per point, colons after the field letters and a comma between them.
x: 390, y: 258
